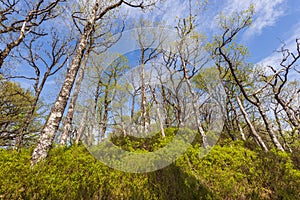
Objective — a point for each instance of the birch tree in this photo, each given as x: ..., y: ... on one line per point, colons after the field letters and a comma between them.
x: 150, y: 47
x: 71, y: 108
x: 20, y: 18
x: 45, y: 64
x: 192, y: 58
x: 232, y: 56
x: 98, y: 11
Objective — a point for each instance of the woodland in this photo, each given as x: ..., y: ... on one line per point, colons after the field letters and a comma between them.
x: 71, y: 84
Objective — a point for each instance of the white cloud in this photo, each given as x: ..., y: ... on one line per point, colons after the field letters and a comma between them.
x: 290, y: 43
x: 165, y: 11
x: 267, y: 12
x: 275, y: 58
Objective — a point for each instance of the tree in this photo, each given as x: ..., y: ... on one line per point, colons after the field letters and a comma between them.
x: 48, y: 133
x: 188, y: 58
x: 45, y: 64
x: 230, y: 55
x: 97, y: 47
x: 279, y: 82
x: 150, y: 44
x: 71, y: 108
x: 20, y: 18
x: 15, y: 102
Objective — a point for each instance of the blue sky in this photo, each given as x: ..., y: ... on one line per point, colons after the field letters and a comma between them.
x: 275, y: 21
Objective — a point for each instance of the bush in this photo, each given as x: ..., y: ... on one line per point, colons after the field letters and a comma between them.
x: 234, y: 172
x: 230, y: 171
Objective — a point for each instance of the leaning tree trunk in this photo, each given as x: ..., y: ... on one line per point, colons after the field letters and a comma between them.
x: 252, y: 128
x: 237, y: 120
x: 4, y: 54
x: 280, y: 130
x: 199, y: 126
x: 82, y: 126
x: 48, y: 133
x: 30, y: 113
x: 255, y: 103
x: 30, y: 17
x: 269, y: 127
x: 71, y: 108
x: 196, y: 111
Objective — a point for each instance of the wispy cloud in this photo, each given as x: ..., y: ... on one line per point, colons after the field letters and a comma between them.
x: 267, y: 13
x: 275, y: 58
x: 167, y: 12
x: 289, y: 43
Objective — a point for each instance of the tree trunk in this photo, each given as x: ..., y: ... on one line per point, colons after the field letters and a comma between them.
x: 71, y: 108
x: 132, y: 112
x: 10, y: 46
x: 285, y: 144
x: 288, y: 112
x: 161, y: 125
x: 30, y: 18
x: 143, y: 93
x: 252, y: 128
x: 81, y: 127
x: 165, y: 107
x: 196, y: 110
x: 237, y: 119
x: 268, y: 127
x: 30, y: 114
x: 48, y: 133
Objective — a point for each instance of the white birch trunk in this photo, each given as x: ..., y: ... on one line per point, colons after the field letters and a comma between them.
x: 81, y: 127
x: 252, y: 128
x: 48, y: 133
x: 71, y: 109
x: 269, y: 128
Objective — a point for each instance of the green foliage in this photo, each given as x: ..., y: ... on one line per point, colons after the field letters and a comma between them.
x: 15, y: 103
x: 230, y: 171
x: 234, y: 172
x: 74, y: 174
x: 206, y: 79
x: 130, y: 143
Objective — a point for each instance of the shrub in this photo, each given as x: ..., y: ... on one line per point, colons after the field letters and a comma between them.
x: 230, y: 171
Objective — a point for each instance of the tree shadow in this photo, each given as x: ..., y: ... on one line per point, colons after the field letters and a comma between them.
x: 172, y: 183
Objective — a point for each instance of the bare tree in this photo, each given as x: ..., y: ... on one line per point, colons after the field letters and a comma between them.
x: 150, y: 44
x: 99, y: 10
x: 231, y: 57
x: 279, y: 80
x: 192, y: 58
x: 45, y: 64
x: 19, y: 18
